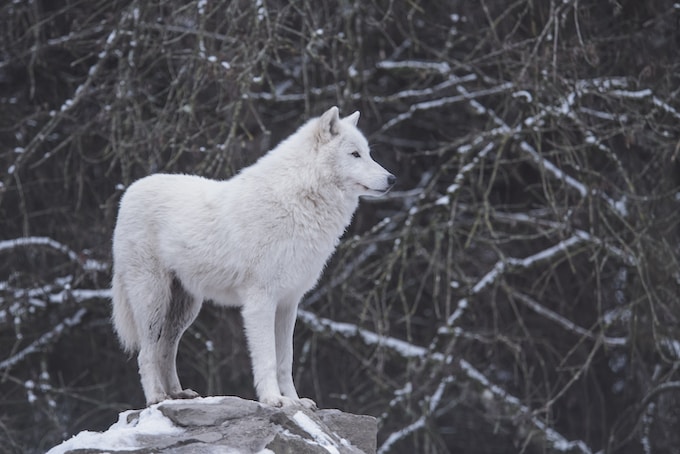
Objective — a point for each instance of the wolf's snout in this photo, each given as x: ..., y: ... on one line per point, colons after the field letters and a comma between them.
x: 391, y: 179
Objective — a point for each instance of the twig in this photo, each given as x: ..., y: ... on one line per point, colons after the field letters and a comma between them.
x: 47, y: 338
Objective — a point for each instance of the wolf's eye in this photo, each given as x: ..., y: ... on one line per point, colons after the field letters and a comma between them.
x: 356, y: 154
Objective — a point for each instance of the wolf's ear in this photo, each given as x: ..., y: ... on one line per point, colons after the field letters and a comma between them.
x: 328, y: 125
x: 353, y: 119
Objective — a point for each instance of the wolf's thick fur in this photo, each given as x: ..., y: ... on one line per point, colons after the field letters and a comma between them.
x: 259, y: 240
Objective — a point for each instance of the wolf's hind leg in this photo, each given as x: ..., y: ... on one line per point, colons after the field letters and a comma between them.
x: 154, y: 389
x: 149, y: 293
x: 183, y: 310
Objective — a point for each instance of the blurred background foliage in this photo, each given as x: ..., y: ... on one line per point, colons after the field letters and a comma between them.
x: 516, y: 292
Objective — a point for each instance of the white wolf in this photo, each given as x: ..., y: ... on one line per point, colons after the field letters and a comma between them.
x: 258, y: 240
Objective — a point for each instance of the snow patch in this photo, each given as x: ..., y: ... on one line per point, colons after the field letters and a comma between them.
x: 309, y: 426
x: 440, y: 67
x: 123, y: 434
x: 523, y: 94
x: 620, y: 206
x: 445, y: 200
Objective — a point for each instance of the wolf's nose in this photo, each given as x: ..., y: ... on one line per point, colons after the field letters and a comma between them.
x: 391, y: 179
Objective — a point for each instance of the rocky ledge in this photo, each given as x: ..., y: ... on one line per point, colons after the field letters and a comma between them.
x: 228, y: 425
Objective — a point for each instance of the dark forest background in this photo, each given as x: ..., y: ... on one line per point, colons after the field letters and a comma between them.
x: 519, y: 289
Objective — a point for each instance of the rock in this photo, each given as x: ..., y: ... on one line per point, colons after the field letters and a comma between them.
x: 228, y: 425
x: 347, y: 423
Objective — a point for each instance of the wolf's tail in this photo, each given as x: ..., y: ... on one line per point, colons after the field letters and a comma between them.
x: 123, y: 319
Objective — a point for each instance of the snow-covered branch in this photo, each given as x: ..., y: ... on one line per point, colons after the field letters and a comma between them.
x: 565, y: 323
x: 626, y: 257
x: 88, y: 264
x: 505, y: 403
x: 46, y: 339
x: 464, y: 170
x: 498, y: 400
x: 430, y: 407
x: 445, y: 101
x: 510, y: 264
x: 348, y: 330
x: 81, y: 92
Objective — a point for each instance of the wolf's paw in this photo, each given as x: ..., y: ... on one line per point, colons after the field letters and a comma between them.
x: 155, y: 399
x: 283, y: 401
x: 278, y: 401
x: 185, y: 394
x: 307, y: 403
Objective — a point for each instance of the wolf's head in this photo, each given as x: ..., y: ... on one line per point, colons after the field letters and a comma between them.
x: 345, y: 152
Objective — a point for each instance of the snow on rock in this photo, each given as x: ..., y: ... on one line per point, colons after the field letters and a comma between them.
x: 126, y: 434
x: 229, y: 425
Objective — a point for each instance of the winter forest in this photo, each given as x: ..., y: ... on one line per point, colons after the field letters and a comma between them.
x: 518, y: 291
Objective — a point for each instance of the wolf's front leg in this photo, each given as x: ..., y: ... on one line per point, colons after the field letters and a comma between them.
x: 285, y: 325
x: 259, y: 314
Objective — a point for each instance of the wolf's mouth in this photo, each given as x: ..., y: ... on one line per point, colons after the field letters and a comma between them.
x: 377, y: 191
